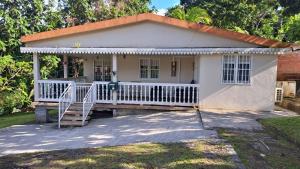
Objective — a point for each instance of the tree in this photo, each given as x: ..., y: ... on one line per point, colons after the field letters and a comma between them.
x: 194, y: 14
x: 291, y: 29
x: 15, y: 83
x: 264, y: 18
x: 19, y: 17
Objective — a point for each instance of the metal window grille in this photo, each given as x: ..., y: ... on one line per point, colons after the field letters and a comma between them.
x: 102, y: 69
x: 236, y: 69
x: 243, y: 69
x: 229, y: 64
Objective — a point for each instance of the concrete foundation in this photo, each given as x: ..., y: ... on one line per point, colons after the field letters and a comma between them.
x: 125, y: 112
x: 41, y: 115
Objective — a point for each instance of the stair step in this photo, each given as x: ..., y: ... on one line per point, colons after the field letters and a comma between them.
x: 74, y: 118
x: 72, y: 112
x: 75, y: 108
x: 72, y: 123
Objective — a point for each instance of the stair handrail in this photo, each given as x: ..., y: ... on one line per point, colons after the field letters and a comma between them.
x: 65, y: 100
x: 88, y: 102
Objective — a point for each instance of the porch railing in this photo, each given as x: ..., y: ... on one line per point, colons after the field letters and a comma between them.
x: 51, y: 90
x: 103, y: 94
x: 81, y: 91
x: 88, y: 102
x: 158, y: 93
x: 65, y: 100
x: 128, y: 92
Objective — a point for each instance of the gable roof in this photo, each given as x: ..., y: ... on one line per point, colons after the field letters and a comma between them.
x: 158, y: 19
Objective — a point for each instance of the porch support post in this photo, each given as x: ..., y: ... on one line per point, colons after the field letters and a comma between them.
x: 36, y: 75
x: 65, y: 62
x: 114, y: 76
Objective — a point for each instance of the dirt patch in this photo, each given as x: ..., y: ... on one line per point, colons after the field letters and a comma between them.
x: 257, y: 149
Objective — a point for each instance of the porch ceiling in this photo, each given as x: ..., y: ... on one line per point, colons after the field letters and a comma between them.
x: 156, y: 51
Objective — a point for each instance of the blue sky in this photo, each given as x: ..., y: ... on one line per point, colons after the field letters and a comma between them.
x: 162, y: 5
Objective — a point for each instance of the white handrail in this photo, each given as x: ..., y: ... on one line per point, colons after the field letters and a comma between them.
x: 158, y: 94
x: 51, y: 90
x: 88, y: 102
x: 65, y: 100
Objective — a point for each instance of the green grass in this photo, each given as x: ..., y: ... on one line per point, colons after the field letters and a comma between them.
x: 280, y: 135
x: 288, y: 127
x: 148, y: 155
x: 19, y: 118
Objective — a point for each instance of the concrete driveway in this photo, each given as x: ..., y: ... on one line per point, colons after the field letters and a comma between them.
x: 240, y: 120
x: 159, y: 127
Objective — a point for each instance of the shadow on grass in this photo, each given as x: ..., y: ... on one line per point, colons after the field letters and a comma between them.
x: 172, y: 155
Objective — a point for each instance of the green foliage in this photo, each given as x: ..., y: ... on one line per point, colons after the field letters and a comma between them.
x: 15, y: 83
x: 49, y: 64
x: 292, y: 28
x: 19, y: 17
x: 194, y: 14
x: 264, y: 18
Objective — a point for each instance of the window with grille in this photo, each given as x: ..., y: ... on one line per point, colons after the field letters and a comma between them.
x: 149, y: 68
x: 236, y: 69
x: 102, y: 69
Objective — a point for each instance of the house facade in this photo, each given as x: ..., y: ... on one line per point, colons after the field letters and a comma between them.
x: 150, y: 60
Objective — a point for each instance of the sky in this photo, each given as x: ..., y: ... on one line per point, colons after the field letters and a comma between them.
x: 163, y: 5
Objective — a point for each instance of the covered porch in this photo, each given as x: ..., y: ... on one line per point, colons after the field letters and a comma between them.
x: 165, y: 77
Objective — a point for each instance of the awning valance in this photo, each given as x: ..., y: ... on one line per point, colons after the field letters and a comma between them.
x: 156, y: 51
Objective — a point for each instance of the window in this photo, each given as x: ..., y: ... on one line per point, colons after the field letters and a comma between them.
x: 173, y: 68
x: 102, y: 69
x: 236, y: 69
x: 149, y: 68
x: 244, y: 67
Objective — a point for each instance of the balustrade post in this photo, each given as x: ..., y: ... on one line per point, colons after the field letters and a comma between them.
x: 114, y: 77
x: 36, y: 75
x: 73, y: 91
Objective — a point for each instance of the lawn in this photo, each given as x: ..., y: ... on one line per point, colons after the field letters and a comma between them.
x: 271, y: 148
x: 288, y: 127
x: 196, y: 154
x: 19, y: 118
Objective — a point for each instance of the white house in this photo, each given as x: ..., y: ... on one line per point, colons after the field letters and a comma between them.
x: 156, y: 61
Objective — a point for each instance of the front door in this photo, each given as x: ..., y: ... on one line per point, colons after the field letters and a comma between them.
x: 102, y: 69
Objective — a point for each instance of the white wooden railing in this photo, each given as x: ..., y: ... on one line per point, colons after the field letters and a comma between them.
x: 158, y: 93
x: 51, y: 90
x: 81, y: 90
x: 103, y: 94
x: 88, y: 103
x: 128, y: 92
x: 65, y: 100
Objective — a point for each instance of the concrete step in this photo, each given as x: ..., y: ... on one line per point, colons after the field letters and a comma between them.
x: 73, y: 112
x: 74, y: 118
x: 72, y: 123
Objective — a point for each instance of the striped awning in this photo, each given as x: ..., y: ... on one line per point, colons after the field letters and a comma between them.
x: 156, y: 51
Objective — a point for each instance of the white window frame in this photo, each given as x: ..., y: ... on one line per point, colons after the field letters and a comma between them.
x: 149, y: 68
x: 236, y: 70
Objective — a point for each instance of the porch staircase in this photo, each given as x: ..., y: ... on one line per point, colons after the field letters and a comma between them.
x: 73, y: 116
x: 75, y: 110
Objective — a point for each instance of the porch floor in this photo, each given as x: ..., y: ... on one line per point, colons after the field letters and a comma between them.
x: 98, y: 106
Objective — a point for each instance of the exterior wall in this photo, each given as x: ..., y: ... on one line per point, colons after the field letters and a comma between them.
x: 257, y: 96
x: 289, y: 67
x: 146, y: 34
x: 128, y: 69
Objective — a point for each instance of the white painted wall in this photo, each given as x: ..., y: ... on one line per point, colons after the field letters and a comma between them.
x: 146, y: 34
x: 128, y: 68
x: 257, y: 96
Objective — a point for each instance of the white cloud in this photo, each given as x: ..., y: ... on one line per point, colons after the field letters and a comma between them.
x: 161, y: 11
